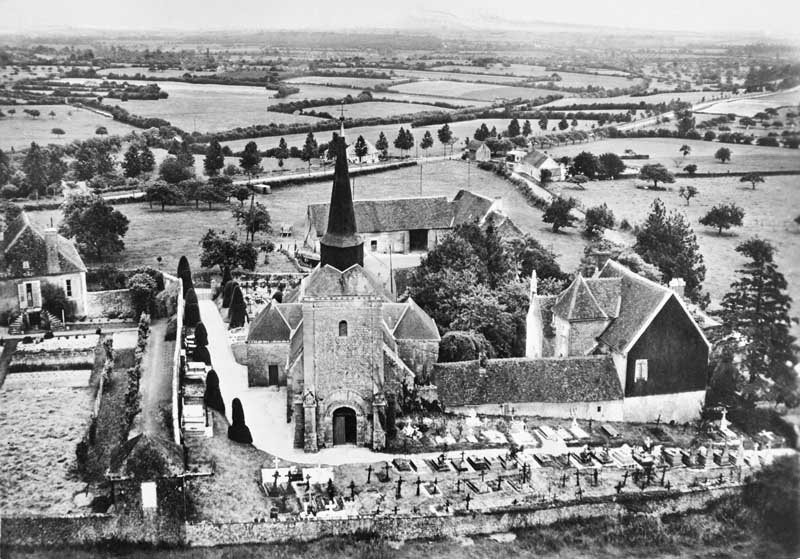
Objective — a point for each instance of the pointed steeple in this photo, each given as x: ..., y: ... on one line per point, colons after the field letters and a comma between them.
x: 341, y: 246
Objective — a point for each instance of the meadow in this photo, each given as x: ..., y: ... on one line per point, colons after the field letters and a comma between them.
x: 467, y: 90
x: 520, y: 71
x: 145, y: 71
x: 379, y: 109
x: 754, y: 105
x: 344, y: 81
x: 19, y: 130
x: 770, y: 210
x: 666, y: 97
x: 665, y: 151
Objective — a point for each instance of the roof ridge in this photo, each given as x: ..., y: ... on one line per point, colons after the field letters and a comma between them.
x: 594, y: 299
x: 637, y: 277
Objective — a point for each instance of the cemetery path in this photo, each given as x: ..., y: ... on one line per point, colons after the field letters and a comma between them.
x: 156, y: 382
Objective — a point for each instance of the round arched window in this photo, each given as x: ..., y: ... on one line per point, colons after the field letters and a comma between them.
x: 343, y: 328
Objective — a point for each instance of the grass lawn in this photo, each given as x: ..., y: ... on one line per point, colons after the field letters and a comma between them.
x: 40, y: 425
x: 19, y: 130
x: 665, y: 151
x: 769, y: 214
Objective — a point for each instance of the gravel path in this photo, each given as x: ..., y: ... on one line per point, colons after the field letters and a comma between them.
x: 156, y: 382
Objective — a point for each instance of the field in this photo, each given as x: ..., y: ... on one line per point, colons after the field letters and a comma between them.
x: 769, y: 214
x: 379, y: 109
x: 467, y: 90
x: 152, y: 232
x: 665, y: 151
x: 19, y: 130
x: 751, y: 106
x: 689, y: 96
x: 344, y: 81
x: 40, y: 424
x: 169, y: 73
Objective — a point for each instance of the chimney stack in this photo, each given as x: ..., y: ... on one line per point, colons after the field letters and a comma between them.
x: 678, y: 285
x: 51, y: 243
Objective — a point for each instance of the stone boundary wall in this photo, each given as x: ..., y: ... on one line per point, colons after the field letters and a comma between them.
x: 52, y: 361
x: 116, y: 303
x: 176, y: 359
x: 91, y: 529
x: 429, y: 526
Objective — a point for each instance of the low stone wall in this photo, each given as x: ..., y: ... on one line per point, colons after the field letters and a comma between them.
x: 52, y: 361
x: 205, y: 534
x: 110, y: 304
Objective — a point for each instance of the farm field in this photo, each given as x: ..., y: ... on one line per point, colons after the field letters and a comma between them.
x: 19, y: 130
x: 665, y: 151
x: 342, y: 81
x: 666, y: 97
x: 168, y: 73
x: 467, y: 90
x: 465, y: 76
x: 379, y: 109
x: 152, y: 232
x: 40, y: 424
x: 769, y: 213
x: 751, y: 106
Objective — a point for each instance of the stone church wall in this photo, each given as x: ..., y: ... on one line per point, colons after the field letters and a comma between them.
x: 260, y: 356
x: 420, y: 356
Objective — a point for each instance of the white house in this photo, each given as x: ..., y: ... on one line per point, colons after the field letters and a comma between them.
x: 536, y: 161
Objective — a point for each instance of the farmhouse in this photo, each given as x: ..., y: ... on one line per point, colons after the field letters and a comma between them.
x: 614, y: 347
x: 478, y: 151
x: 372, y: 156
x: 404, y: 225
x: 30, y: 257
x: 338, y: 342
x: 537, y: 161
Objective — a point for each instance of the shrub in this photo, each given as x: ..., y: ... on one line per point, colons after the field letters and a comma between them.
x: 55, y: 301
x: 143, y: 292
x: 191, y: 314
x: 238, y: 311
x: 202, y: 355
x: 460, y: 345
x: 107, y: 277
x: 154, y: 274
x: 597, y: 219
x: 213, y: 397
x: 227, y: 293
x: 9, y: 191
x: 238, y: 431
x: 200, y: 335
x: 171, y: 332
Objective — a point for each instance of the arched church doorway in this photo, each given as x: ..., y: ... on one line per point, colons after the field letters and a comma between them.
x: 344, y: 426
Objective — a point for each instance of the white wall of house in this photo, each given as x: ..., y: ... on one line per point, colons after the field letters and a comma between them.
x: 680, y: 407
x: 608, y: 410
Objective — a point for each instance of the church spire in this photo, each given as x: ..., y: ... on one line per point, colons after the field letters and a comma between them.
x: 341, y: 247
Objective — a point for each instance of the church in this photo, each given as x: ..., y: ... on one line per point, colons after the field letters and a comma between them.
x: 346, y: 351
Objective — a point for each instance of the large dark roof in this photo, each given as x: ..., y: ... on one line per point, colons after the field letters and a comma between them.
x: 578, y: 303
x: 404, y: 214
x: 326, y: 281
x: 640, y: 299
x: 551, y: 380
x: 275, y: 323
x: 535, y: 158
x: 341, y: 231
x: 469, y: 207
x: 415, y: 324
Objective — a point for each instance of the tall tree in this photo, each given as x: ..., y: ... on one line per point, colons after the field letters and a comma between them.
x: 361, y: 148
x: 513, y: 128
x: 543, y: 123
x: 526, y: 128
x: 282, y: 152
x: 585, y: 163
x: 400, y: 141
x: 382, y: 144
x: 445, y: 136
x: 250, y: 162
x: 35, y: 167
x: 723, y: 154
x: 482, y: 132
x: 752, y: 178
x: 427, y: 142
x: 132, y: 164
x: 310, y: 150
x: 254, y: 219
x: 6, y: 170
x: 97, y: 227
x: 146, y: 159
x: 611, y: 165
x: 668, y: 242
x: 214, y: 160
x: 225, y: 250
x: 656, y: 173
x: 757, y: 307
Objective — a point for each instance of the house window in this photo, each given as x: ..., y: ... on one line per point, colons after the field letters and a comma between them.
x: 26, y: 265
x: 343, y: 328
x: 68, y: 287
x: 640, y: 370
x: 373, y: 245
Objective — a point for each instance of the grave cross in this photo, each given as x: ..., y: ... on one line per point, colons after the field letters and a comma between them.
x: 435, y: 486
x: 308, y: 482
x: 563, y: 480
x: 395, y: 510
x: 483, y: 474
x: 369, y: 473
x: 499, y: 482
x: 579, y: 493
x: 418, y: 482
x: 663, y: 475
x: 275, y: 476
x: 625, y: 479
x: 468, y: 499
x: 386, y: 471
x: 399, y: 485
x: 577, y: 477
x: 595, y: 477
x: 458, y: 485
x: 352, y: 489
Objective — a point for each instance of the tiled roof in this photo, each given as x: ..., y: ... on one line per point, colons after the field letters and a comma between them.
x: 640, y: 298
x: 392, y: 313
x: 503, y: 225
x: 293, y: 313
x: 469, y: 207
x: 474, y: 145
x: 402, y: 214
x: 415, y: 324
x: 606, y: 292
x: 535, y: 158
x: 578, y: 303
x: 327, y: 281
x: 269, y: 326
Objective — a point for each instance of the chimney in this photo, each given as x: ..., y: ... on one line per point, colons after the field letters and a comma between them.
x: 51, y: 244
x: 678, y: 286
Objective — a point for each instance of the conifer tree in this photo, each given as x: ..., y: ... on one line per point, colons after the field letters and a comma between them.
x: 757, y: 307
x: 214, y: 160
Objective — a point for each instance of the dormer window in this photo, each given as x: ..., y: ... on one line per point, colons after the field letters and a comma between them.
x: 343, y: 329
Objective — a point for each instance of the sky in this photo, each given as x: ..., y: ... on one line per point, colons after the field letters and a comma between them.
x: 771, y: 17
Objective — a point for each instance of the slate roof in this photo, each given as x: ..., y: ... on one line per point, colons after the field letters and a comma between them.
x: 474, y: 145
x: 392, y: 313
x: 640, y: 299
x: 21, y: 226
x: 272, y: 324
x: 535, y: 158
x: 415, y: 324
x: 402, y: 214
x: 327, y: 281
x: 571, y: 379
x: 503, y: 225
x: 469, y: 207
x: 606, y: 292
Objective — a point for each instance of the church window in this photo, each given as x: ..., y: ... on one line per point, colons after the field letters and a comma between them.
x: 373, y: 245
x: 343, y: 328
x: 640, y: 370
